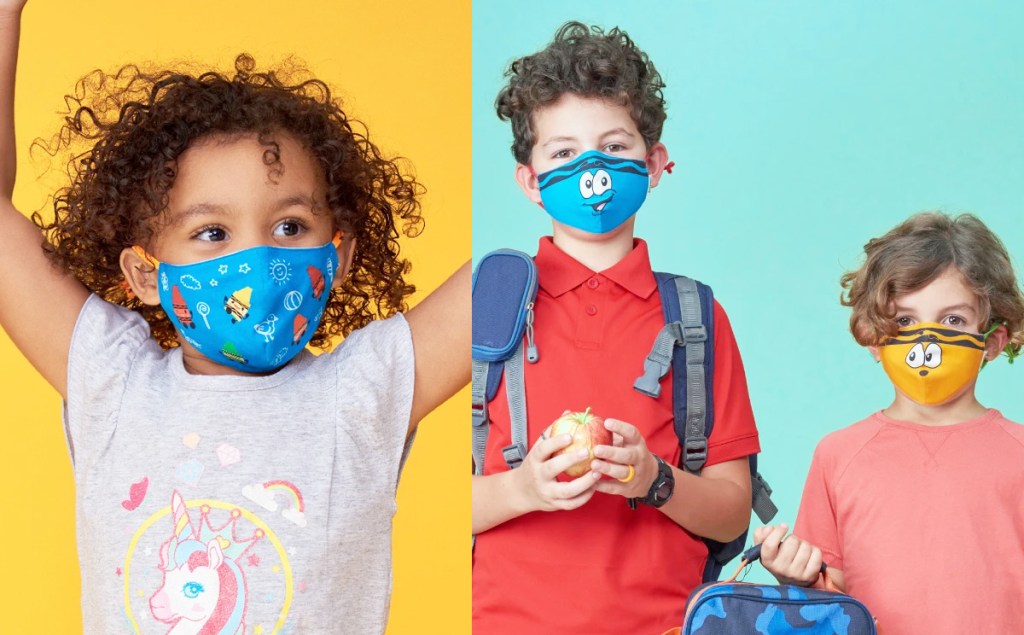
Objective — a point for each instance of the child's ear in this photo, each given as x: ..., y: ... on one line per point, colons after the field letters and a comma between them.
x: 874, y: 353
x: 526, y: 178
x: 346, y: 251
x: 996, y: 342
x: 657, y: 159
x: 141, y: 276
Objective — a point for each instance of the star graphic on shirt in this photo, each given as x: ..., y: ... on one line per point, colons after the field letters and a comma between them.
x: 118, y: 572
x: 257, y: 630
x: 254, y: 560
x: 222, y: 269
x: 244, y: 268
x: 213, y: 282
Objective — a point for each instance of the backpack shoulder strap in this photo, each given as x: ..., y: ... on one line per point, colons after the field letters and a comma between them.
x: 681, y: 345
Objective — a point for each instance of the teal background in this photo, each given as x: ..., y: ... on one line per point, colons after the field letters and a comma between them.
x: 799, y: 131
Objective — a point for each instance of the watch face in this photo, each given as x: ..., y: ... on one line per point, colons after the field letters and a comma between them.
x: 663, y: 492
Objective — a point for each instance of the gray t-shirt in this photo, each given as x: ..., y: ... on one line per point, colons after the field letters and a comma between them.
x: 242, y: 504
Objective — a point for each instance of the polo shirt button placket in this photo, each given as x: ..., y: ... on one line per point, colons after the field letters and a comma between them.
x: 591, y: 309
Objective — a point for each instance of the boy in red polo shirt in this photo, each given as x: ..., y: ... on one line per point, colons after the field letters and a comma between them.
x: 573, y: 556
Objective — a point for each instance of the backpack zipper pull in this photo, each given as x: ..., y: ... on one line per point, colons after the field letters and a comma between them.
x: 531, y: 346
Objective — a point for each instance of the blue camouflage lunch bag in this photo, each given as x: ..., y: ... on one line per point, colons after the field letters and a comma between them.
x: 739, y: 608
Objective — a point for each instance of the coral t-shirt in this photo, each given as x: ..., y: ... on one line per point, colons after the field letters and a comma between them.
x: 926, y: 522
x: 601, y: 568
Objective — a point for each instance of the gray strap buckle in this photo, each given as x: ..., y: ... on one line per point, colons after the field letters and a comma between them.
x: 649, y: 383
x: 761, y: 501
x: 695, y: 453
x: 514, y: 454
x: 479, y: 415
x: 695, y: 334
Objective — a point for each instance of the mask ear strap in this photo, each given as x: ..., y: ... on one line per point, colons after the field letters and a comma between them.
x: 338, y: 237
x: 1008, y: 349
x: 141, y: 253
x: 995, y: 327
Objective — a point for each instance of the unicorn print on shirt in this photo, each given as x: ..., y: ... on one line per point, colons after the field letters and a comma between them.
x: 204, y: 589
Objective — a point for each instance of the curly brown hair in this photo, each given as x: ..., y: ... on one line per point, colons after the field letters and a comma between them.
x: 135, y: 124
x: 917, y: 251
x: 584, y: 61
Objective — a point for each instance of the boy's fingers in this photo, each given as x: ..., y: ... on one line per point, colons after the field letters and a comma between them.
x: 813, y: 564
x: 771, y: 544
x: 628, y: 432
x: 761, y: 533
x: 546, y: 446
x: 613, y: 454
x: 574, y: 488
x: 554, y: 466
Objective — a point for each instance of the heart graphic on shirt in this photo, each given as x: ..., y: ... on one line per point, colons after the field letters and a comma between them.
x: 136, y: 493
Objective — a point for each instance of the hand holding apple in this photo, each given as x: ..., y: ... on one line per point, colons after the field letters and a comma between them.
x: 586, y: 430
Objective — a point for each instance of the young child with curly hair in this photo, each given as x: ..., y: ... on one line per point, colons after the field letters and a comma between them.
x: 916, y: 509
x: 587, y: 114
x: 214, y: 226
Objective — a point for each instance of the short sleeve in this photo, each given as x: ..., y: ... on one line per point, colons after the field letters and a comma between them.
x: 104, y: 345
x: 734, y: 434
x: 376, y: 372
x: 816, y: 521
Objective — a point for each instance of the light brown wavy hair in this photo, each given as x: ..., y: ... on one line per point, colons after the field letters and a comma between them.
x: 586, y: 61
x: 916, y: 252
x: 125, y: 131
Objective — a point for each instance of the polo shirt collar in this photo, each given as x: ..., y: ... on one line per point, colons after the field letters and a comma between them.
x: 558, y: 272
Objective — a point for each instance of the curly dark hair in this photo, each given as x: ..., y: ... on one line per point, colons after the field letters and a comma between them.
x: 136, y: 124
x: 584, y: 61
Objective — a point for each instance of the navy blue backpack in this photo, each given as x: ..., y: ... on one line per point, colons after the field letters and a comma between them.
x: 504, y: 288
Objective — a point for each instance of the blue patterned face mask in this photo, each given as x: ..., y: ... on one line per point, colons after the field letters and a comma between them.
x: 252, y: 310
x: 596, y: 192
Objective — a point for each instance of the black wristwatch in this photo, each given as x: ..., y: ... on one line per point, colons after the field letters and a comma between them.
x: 661, y: 489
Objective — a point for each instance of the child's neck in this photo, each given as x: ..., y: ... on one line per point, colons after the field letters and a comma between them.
x: 957, y: 410
x: 595, y: 254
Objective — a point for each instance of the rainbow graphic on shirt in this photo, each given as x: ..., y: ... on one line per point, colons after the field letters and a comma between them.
x: 265, y: 494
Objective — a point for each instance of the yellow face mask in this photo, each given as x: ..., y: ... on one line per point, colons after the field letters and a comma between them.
x: 930, y: 362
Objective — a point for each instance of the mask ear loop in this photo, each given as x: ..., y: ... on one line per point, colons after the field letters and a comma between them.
x: 150, y: 260
x: 142, y: 253
x: 1008, y: 349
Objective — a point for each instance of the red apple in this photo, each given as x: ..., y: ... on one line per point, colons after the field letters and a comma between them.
x: 587, y: 430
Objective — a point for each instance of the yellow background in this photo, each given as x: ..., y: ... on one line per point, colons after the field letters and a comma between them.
x: 401, y: 67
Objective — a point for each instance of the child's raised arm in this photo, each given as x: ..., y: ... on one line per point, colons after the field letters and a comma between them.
x: 441, y: 336
x: 38, y: 303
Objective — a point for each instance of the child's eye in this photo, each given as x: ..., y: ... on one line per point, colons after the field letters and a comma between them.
x: 289, y: 228
x: 562, y: 154
x: 614, y: 147
x: 955, y: 320
x: 904, y: 321
x: 211, y: 233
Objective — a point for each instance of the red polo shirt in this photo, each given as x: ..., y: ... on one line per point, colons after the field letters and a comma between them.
x: 602, y: 568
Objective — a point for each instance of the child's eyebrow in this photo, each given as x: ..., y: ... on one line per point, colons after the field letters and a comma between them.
x: 305, y: 200
x: 962, y: 307
x: 617, y: 131
x: 562, y: 139
x: 210, y: 209
x: 199, y: 209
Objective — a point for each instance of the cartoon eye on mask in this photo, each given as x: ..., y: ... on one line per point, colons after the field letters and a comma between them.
x: 586, y: 185
x: 932, y: 355
x: 915, y: 358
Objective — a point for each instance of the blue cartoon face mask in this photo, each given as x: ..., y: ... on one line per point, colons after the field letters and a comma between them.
x: 252, y: 310
x: 596, y: 192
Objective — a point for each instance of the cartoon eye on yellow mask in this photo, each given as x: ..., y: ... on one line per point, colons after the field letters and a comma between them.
x: 930, y: 362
